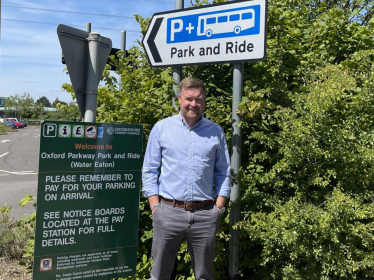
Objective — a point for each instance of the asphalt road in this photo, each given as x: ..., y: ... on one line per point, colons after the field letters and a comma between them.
x: 19, y: 159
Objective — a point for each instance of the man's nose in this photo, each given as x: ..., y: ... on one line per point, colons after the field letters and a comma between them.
x: 193, y: 103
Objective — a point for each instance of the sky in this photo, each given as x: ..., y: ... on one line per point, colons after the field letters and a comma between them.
x: 30, y: 51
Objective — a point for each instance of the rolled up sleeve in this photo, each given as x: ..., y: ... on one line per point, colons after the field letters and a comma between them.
x: 151, y: 164
x: 222, y: 173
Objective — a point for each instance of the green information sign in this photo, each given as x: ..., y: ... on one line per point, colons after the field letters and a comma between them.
x: 87, y: 215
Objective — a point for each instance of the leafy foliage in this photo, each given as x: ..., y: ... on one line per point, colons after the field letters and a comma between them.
x: 4, y: 129
x: 302, y: 241
x: 15, y: 236
x: 57, y: 101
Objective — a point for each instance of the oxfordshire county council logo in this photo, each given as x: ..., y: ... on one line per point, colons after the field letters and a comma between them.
x: 91, y: 131
x: 78, y: 131
x: 110, y: 130
x: 45, y: 264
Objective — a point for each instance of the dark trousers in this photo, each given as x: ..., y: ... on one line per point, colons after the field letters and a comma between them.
x: 170, y: 226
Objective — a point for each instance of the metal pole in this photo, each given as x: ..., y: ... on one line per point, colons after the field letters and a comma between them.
x: 236, y: 144
x: 123, y: 49
x: 123, y: 41
x: 93, y: 77
x: 177, y: 71
x: 88, y: 27
x: 177, y: 77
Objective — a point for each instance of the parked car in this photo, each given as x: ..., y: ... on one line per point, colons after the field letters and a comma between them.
x: 9, y: 123
x: 15, y: 122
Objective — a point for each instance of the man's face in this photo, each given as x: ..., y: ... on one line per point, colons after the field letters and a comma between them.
x: 192, y: 104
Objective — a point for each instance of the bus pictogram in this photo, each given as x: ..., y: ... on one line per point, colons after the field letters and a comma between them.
x: 226, y: 22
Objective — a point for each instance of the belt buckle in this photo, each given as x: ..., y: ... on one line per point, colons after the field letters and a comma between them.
x: 188, y: 206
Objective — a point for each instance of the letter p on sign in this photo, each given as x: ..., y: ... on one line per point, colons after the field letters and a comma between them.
x: 176, y: 26
x: 50, y: 130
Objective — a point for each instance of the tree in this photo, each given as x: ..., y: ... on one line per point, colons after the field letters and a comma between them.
x: 65, y: 112
x: 23, y: 105
x: 56, y: 101
x: 44, y: 101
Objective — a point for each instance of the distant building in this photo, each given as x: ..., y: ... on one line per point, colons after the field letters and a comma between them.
x: 2, y: 101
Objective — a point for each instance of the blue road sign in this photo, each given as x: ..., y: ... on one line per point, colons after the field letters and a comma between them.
x: 207, y: 26
x: 220, y: 33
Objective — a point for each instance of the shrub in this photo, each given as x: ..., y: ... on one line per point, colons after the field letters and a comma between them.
x: 13, y: 235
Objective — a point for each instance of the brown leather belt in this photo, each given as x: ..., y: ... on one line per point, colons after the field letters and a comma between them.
x: 188, y: 206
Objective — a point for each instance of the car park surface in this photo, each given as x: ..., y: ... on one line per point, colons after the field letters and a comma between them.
x: 19, y: 159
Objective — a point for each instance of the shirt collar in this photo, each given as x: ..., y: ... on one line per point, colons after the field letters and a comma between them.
x: 180, y: 118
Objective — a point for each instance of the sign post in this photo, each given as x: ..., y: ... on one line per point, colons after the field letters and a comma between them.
x: 236, y: 147
x: 220, y: 33
x: 85, y: 56
x: 177, y: 71
x: 87, y: 216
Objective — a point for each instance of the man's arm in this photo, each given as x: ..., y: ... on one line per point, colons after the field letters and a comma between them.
x: 151, y: 164
x: 222, y: 171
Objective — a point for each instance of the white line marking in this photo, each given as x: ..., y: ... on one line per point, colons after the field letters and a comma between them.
x: 3, y: 141
x: 25, y: 134
x: 4, y: 154
x: 8, y: 172
x: 19, y: 173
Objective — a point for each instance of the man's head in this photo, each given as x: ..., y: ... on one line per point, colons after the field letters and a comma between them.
x: 191, y: 98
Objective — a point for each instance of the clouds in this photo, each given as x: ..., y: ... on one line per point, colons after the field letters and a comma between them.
x: 30, y: 54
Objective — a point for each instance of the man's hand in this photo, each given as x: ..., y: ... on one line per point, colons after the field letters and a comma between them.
x: 221, y: 200
x: 153, y: 200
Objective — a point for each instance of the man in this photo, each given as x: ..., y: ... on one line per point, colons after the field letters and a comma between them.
x: 188, y: 196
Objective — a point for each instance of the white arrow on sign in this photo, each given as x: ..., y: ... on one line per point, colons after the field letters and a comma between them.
x: 220, y: 33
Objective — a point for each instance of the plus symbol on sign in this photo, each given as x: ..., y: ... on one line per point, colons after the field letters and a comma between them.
x: 190, y: 28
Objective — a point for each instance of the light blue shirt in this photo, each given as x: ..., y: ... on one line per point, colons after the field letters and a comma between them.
x: 191, y: 160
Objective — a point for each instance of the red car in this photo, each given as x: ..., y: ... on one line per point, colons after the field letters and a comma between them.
x: 18, y: 124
